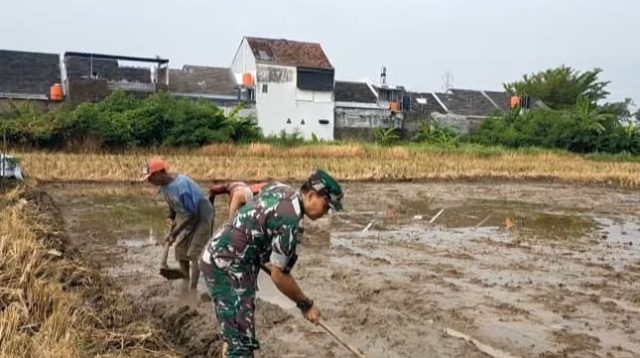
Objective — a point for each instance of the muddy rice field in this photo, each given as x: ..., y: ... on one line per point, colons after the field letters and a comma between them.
x: 408, y: 270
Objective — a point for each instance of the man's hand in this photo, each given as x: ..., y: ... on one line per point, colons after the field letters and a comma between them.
x: 169, y: 222
x: 287, y: 285
x: 312, y: 314
x: 169, y: 239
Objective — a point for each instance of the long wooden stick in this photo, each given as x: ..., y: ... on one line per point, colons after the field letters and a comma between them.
x: 484, y: 220
x: 353, y: 350
x: 324, y: 326
x: 493, y: 352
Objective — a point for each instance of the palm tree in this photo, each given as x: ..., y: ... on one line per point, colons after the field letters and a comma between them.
x: 589, y: 117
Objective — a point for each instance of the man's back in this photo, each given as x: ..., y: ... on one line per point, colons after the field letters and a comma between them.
x: 183, y: 195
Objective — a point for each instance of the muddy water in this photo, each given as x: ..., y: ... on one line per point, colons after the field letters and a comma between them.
x: 531, y: 270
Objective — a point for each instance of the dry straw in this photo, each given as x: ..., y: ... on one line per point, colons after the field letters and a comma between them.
x: 260, y: 161
x: 43, y: 298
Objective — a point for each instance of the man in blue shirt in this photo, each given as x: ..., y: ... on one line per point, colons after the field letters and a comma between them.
x: 190, y: 216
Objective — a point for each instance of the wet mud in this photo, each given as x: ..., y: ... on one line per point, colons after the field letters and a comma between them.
x: 528, y: 269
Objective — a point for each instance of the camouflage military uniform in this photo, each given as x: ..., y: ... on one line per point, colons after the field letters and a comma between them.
x: 264, y: 230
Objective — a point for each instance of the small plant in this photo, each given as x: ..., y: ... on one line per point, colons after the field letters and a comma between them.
x: 433, y: 133
x: 386, y: 136
x: 285, y: 139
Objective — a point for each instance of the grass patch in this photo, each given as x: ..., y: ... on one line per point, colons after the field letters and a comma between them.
x: 545, y: 226
x: 615, y: 158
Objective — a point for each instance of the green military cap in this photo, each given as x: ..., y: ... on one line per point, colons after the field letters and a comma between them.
x: 324, y: 184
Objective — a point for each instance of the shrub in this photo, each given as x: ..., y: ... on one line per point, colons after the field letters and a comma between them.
x: 386, y: 136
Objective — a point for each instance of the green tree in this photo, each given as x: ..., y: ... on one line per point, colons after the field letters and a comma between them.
x: 621, y: 110
x: 242, y: 129
x: 26, y: 125
x: 196, y: 123
x: 151, y: 121
x: 590, y: 118
x: 560, y: 87
x: 118, y: 101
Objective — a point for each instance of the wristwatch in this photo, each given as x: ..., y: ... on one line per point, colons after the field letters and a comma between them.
x: 305, y: 304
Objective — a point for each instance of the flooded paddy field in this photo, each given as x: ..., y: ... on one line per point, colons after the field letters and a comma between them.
x: 408, y: 270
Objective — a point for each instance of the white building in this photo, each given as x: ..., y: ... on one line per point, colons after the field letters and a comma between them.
x: 292, y: 84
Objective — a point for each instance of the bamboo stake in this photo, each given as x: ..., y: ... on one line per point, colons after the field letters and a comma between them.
x: 326, y: 328
x: 353, y: 350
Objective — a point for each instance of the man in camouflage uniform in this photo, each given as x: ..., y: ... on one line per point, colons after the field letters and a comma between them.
x: 264, y: 230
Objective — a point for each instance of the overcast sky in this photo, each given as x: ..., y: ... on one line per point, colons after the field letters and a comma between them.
x: 483, y: 43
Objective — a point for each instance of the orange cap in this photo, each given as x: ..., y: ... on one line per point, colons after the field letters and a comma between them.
x: 154, y: 165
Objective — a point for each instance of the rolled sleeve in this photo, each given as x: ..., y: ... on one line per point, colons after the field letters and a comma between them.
x: 283, y: 246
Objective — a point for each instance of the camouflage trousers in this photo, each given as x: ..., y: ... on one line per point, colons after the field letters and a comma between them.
x: 232, y: 286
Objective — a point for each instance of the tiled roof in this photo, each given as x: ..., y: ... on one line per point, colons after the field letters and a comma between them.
x: 288, y: 53
x: 358, y: 92
x: 205, y: 80
x: 467, y: 102
x: 423, y: 104
x: 28, y: 72
x: 502, y: 99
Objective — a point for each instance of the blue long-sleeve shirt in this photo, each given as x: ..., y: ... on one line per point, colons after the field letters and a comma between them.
x: 183, y: 195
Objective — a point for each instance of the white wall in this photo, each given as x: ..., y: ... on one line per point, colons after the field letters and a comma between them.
x: 284, y: 101
x: 243, y: 61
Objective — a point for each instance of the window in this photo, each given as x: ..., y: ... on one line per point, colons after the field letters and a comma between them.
x: 247, y: 94
x: 302, y: 122
x: 265, y: 88
x: 323, y: 121
x: 315, y: 79
x: 288, y: 120
x: 264, y: 55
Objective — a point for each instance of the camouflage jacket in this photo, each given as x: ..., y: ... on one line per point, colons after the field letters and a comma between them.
x: 265, y: 229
